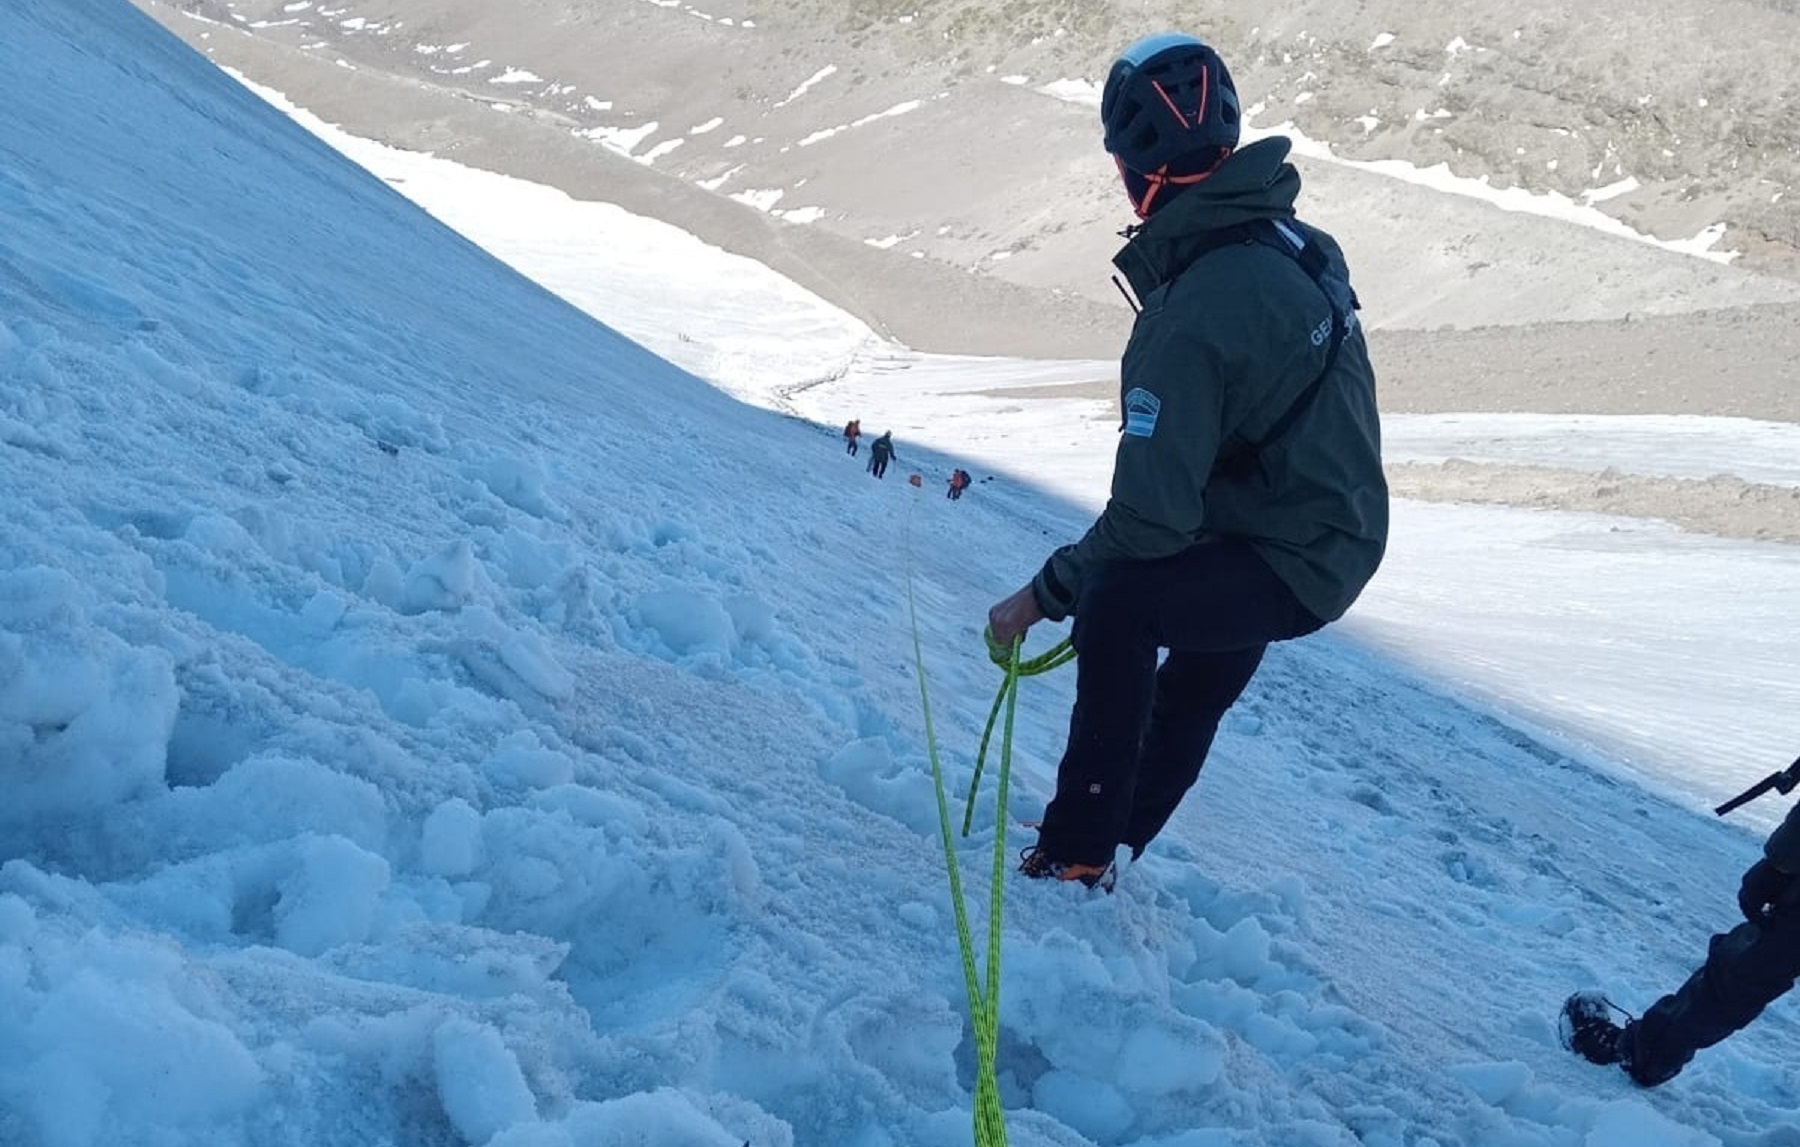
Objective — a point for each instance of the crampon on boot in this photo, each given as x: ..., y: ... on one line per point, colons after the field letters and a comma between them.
x: 1588, y: 1029
x: 1040, y: 865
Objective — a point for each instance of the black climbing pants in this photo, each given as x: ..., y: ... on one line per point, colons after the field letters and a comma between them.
x: 1139, y: 734
x: 1746, y: 970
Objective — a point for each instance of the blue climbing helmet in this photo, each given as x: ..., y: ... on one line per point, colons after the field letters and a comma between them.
x: 1171, y: 116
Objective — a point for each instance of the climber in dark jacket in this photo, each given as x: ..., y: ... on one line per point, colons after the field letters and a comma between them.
x: 1248, y: 502
x: 881, y: 452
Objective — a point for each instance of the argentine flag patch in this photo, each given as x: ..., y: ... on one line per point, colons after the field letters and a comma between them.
x: 1141, y: 408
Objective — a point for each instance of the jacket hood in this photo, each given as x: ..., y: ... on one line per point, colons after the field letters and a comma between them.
x: 1253, y: 182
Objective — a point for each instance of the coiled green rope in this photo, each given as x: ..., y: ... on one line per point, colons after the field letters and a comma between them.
x: 1008, y: 659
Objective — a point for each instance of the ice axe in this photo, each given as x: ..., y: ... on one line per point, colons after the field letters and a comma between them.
x: 1782, y: 782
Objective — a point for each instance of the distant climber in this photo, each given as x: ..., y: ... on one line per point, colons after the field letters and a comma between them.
x: 852, y: 431
x: 959, y: 481
x: 881, y: 452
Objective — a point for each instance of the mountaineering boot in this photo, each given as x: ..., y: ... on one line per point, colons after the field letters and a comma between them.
x: 1039, y: 865
x: 1588, y: 1029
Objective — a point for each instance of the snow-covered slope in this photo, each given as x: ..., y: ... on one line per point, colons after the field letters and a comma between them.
x: 428, y: 718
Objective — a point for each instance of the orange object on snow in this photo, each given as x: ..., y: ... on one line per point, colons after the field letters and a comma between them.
x: 916, y: 480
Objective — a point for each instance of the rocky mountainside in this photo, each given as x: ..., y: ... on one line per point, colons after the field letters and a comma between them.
x: 935, y: 169
x: 1698, y: 105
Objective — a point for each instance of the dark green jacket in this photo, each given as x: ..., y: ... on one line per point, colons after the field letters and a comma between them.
x: 1217, y: 356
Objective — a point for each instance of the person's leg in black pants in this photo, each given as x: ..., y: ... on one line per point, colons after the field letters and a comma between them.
x: 1193, y: 690
x: 1216, y: 607
x: 1746, y: 970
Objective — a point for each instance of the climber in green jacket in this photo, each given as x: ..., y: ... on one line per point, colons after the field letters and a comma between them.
x: 1248, y: 503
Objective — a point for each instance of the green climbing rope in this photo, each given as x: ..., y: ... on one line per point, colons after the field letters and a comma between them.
x: 984, y: 1006
x: 1057, y: 655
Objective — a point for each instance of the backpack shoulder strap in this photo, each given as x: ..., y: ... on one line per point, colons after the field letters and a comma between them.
x: 1240, y: 458
x: 1249, y: 231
